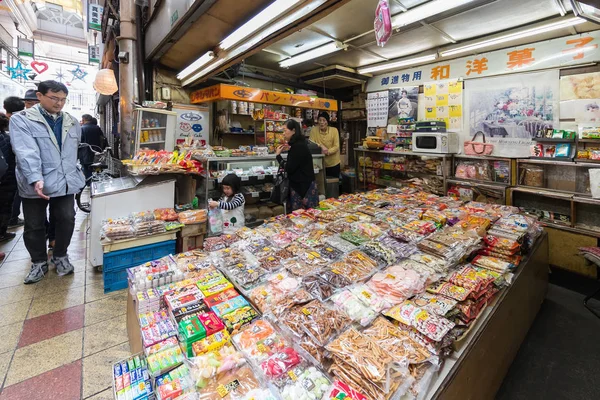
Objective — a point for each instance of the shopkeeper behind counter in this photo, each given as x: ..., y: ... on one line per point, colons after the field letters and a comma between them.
x: 328, y: 138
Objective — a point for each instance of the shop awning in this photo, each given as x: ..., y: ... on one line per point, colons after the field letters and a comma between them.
x: 239, y: 93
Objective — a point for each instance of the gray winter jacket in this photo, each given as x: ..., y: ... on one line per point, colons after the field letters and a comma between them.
x: 39, y: 158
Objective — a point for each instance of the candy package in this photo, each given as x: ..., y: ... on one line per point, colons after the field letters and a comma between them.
x: 208, y: 365
x: 199, y: 217
x: 303, y: 381
x: 259, y: 340
x: 318, y: 288
x: 339, y: 390
x: 395, y: 284
x: 449, y: 290
x: 339, y: 243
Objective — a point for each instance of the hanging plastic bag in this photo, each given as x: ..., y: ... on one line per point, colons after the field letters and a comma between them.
x: 383, y: 23
x: 215, y: 221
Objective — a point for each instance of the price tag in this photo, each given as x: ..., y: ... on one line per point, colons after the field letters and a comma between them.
x: 261, y: 177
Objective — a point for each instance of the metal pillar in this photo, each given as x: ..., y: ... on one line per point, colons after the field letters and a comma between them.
x: 127, y: 77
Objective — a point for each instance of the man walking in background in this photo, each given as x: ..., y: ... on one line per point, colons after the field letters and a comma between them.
x: 45, y: 141
x: 30, y: 99
x: 13, y: 105
x: 90, y: 134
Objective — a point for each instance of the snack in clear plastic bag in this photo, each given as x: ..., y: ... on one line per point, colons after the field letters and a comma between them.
x: 431, y: 325
x: 395, y: 284
x: 434, y: 303
x: 208, y: 365
x: 215, y: 221
x: 318, y: 288
x: 234, y: 384
x: 339, y: 390
x: 214, y: 243
x: 354, y: 238
x: 197, y: 217
x: 304, y: 382
x: 280, y: 362
x: 359, y: 312
x: 396, y: 342
x: 259, y: 340
x: 492, y: 263
x: 361, y: 362
x: 142, y: 216
x: 334, y: 277
x: 339, y: 243
x: 369, y: 297
x: 447, y: 289
x: 165, y: 214
x: 317, y: 319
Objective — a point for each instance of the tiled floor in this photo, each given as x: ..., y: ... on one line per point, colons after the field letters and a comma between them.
x: 59, y: 337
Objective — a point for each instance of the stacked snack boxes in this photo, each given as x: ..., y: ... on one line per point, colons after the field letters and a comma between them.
x: 131, y: 379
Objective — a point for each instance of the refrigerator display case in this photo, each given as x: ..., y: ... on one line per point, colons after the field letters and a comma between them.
x: 153, y: 129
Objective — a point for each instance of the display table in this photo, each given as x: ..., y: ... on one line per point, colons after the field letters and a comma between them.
x: 481, y: 360
x: 478, y: 366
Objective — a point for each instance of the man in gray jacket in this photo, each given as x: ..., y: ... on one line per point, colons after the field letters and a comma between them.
x: 45, y: 141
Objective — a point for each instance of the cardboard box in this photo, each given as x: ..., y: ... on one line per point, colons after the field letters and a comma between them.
x: 193, y: 230
x: 189, y: 243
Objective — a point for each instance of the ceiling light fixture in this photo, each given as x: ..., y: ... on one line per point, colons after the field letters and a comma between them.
x: 513, y: 36
x: 396, y: 64
x: 193, y: 67
x: 314, y: 53
x: 205, y: 71
x: 260, y: 20
x: 427, y: 10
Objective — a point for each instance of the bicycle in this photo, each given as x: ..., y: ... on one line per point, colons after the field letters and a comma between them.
x: 102, y: 170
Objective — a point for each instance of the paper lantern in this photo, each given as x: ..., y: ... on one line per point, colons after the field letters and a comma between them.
x: 105, y: 82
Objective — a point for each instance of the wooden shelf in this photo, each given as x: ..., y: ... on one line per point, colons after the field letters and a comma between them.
x: 587, y: 161
x: 597, y: 141
x: 553, y: 140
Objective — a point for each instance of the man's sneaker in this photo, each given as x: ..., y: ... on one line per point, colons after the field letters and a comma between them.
x: 63, y: 266
x: 14, y: 224
x: 38, y: 270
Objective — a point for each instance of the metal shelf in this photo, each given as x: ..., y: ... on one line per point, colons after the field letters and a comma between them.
x: 404, y: 153
x: 597, y: 141
x: 479, y: 182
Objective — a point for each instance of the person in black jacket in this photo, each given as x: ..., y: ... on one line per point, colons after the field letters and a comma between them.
x: 8, y: 181
x: 92, y: 135
x: 299, y: 167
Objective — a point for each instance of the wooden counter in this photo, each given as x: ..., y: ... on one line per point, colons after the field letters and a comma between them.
x: 478, y: 367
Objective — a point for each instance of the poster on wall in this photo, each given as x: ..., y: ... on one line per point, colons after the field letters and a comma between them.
x: 192, y: 121
x: 580, y: 97
x: 402, y: 103
x: 511, y: 109
x: 377, y: 109
x: 443, y: 101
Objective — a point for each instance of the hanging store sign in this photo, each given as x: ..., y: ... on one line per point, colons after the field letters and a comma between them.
x: 555, y: 53
x: 94, y: 53
x: 25, y: 47
x: 239, y: 93
x: 95, y: 17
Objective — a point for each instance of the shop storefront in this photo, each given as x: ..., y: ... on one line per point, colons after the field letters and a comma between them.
x: 466, y: 173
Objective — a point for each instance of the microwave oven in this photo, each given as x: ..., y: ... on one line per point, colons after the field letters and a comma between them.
x: 435, y: 142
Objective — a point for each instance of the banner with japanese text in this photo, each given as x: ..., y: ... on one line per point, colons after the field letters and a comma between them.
x: 511, y: 109
x: 555, y: 53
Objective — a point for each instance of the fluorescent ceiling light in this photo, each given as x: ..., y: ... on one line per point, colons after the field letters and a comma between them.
x: 424, y: 11
x: 199, y: 63
x: 260, y: 36
x: 513, y: 36
x: 260, y: 20
x: 314, y: 53
x: 397, y: 64
x: 203, y: 72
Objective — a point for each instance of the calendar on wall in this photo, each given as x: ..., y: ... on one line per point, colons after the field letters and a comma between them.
x: 377, y: 109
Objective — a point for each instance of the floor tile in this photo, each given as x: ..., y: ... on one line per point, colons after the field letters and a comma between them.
x: 15, y: 312
x: 95, y: 291
x: 4, y: 363
x: 62, y: 383
x: 17, y: 293
x: 104, y: 395
x: 55, y: 302
x: 8, y: 246
x: 53, y: 283
x: 44, y: 356
x: 11, y: 279
x: 20, y: 245
x: 51, y: 325
x: 14, y: 267
x: 97, y: 368
x: 93, y: 276
x: 107, y: 308
x: 96, y: 338
x: 10, y: 337
x: 18, y: 255
x: 77, y: 254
